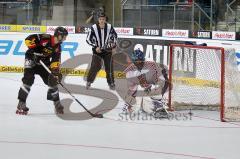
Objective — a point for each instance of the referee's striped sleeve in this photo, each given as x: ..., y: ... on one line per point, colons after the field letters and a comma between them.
x: 115, y: 37
x: 90, y: 38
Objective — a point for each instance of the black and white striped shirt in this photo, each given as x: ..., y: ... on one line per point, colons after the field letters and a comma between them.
x: 105, y: 38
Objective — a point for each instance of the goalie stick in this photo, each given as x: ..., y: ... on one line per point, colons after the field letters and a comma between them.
x: 93, y: 115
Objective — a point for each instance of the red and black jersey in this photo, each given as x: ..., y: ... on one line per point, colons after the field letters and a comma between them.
x: 43, y: 45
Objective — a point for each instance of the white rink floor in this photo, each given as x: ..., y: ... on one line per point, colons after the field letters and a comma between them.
x: 43, y: 135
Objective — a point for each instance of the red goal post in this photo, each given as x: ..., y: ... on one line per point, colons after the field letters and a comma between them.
x: 198, y: 78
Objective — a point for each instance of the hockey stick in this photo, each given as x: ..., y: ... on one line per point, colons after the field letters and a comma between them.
x: 93, y: 115
x: 89, y: 19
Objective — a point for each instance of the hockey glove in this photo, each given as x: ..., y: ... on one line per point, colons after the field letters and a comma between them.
x: 54, y: 78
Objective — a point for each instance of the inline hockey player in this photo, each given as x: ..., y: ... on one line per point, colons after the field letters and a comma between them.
x: 46, y: 48
x: 150, y: 77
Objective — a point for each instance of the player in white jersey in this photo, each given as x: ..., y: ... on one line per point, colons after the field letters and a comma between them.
x: 153, y: 79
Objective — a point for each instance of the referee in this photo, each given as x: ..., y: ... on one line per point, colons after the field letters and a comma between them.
x: 103, y: 39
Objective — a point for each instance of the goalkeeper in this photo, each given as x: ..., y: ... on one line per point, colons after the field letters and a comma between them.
x: 154, y: 81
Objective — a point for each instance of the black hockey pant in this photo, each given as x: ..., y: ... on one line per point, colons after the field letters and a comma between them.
x: 28, y: 80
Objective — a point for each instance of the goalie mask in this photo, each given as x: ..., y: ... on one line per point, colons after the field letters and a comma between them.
x: 138, y: 56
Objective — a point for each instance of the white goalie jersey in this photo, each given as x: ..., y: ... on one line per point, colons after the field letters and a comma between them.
x: 150, y: 74
x: 150, y: 77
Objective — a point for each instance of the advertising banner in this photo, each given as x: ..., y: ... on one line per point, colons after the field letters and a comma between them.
x: 70, y: 29
x: 147, y: 32
x: 221, y: 35
x: 175, y: 33
x: 8, y: 28
x: 119, y: 30
x: 31, y: 28
x: 13, y: 48
x: 202, y: 34
x: 237, y: 35
x: 157, y: 51
x: 124, y: 31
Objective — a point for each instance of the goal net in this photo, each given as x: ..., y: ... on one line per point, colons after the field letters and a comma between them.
x: 205, y: 78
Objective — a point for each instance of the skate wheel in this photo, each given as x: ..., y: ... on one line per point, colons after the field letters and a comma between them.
x: 59, y: 112
x: 21, y: 112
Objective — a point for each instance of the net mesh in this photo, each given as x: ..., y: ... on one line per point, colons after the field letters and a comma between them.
x: 196, y: 80
x: 232, y: 87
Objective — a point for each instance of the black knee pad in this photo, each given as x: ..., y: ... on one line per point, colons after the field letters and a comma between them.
x: 28, y: 78
x: 53, y: 94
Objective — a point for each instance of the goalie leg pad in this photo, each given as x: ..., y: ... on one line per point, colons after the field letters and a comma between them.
x: 160, y: 113
x: 130, y: 99
x: 155, y: 106
x: 134, y: 107
x: 160, y: 107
